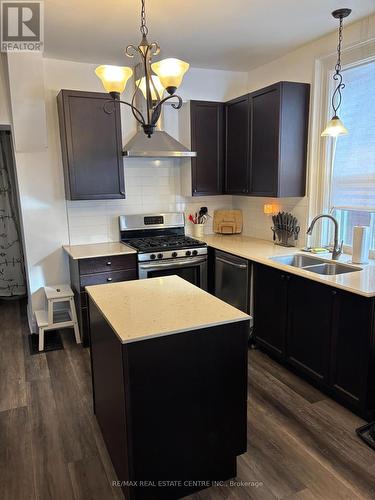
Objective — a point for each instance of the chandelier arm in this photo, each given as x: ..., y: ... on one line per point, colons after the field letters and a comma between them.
x: 154, y: 48
x: 135, y: 92
x: 147, y: 72
x: 157, y: 100
x: 131, y: 48
x: 157, y: 109
x: 136, y: 113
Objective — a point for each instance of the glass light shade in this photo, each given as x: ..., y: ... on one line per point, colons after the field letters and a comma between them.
x: 157, y: 83
x: 334, y: 128
x: 171, y: 72
x: 113, y: 78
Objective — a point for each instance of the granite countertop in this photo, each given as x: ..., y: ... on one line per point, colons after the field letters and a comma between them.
x: 143, y: 309
x: 359, y: 282
x: 97, y: 250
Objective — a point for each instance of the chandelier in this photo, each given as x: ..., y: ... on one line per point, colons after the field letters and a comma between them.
x: 165, y: 75
x: 335, y: 127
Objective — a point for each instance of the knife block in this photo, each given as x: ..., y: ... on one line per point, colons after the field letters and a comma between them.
x: 284, y: 237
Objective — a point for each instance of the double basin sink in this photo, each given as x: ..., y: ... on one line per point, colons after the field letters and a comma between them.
x: 315, y: 264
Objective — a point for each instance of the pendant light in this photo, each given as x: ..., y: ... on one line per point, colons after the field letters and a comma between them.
x: 167, y: 76
x: 335, y: 127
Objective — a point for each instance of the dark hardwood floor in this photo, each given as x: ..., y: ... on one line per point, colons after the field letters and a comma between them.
x: 301, y: 445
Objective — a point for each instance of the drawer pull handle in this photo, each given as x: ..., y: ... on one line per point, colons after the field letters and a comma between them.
x: 109, y: 279
x: 109, y: 263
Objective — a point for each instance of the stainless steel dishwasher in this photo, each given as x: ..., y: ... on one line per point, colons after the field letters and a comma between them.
x: 232, y: 280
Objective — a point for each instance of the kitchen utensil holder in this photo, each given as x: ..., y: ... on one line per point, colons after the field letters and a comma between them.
x: 198, y: 230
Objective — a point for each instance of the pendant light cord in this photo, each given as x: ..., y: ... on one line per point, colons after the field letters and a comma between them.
x: 337, y: 96
x: 338, y: 64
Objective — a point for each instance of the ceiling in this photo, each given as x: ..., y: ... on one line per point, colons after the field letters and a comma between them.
x: 233, y: 35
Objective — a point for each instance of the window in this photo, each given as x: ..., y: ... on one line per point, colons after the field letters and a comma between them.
x: 352, y: 196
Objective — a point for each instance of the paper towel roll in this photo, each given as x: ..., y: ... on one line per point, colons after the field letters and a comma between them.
x: 361, y: 244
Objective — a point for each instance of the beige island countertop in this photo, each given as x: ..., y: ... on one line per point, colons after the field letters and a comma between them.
x: 93, y: 250
x: 359, y: 282
x: 142, y: 309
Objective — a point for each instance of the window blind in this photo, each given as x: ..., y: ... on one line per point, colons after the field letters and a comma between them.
x: 353, y: 177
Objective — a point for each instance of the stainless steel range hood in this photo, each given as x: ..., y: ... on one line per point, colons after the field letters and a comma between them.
x: 159, y: 145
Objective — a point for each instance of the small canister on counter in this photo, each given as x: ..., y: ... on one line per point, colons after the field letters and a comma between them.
x: 361, y: 244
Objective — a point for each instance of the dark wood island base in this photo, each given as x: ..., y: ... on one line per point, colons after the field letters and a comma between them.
x: 172, y: 409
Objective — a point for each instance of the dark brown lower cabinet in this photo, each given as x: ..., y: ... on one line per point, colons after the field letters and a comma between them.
x: 328, y: 336
x: 97, y: 271
x: 309, y: 326
x: 271, y: 321
x: 352, y: 372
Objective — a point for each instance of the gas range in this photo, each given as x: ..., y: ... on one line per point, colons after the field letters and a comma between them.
x: 160, y: 236
x: 166, y: 247
x: 162, y: 247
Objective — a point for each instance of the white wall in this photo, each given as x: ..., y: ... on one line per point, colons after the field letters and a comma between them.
x: 298, y: 66
x: 40, y: 181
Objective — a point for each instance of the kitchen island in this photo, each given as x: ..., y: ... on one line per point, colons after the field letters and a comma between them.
x: 169, y: 367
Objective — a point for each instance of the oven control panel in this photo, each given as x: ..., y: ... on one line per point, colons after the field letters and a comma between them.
x: 172, y: 254
x: 152, y: 220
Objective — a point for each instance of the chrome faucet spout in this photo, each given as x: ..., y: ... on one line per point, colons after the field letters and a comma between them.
x: 337, y: 249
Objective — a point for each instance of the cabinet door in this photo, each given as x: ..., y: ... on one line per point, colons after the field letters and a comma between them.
x: 265, y: 110
x: 270, y: 309
x: 91, y: 146
x: 350, y: 347
x: 237, y: 146
x: 309, y: 327
x: 207, y: 139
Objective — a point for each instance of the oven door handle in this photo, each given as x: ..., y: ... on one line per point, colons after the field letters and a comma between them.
x: 173, y: 263
x: 230, y: 263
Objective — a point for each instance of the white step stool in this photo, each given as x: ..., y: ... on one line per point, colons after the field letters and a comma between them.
x: 52, y: 319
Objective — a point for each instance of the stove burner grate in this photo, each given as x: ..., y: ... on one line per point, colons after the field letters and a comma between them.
x: 155, y: 243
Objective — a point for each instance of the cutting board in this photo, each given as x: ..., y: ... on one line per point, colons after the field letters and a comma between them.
x: 227, y: 221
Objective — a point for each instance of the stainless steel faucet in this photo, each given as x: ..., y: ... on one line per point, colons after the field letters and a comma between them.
x: 337, y: 249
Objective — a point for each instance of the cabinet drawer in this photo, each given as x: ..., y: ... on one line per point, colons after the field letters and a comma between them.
x: 111, y: 277
x: 109, y: 263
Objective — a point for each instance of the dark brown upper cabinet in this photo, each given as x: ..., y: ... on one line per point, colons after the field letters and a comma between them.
x: 91, y: 146
x: 237, y: 114
x: 279, y: 123
x: 266, y: 145
x: 207, y: 139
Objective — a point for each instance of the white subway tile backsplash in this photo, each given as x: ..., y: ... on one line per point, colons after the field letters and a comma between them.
x: 151, y: 186
x: 258, y: 224
x: 89, y: 234
x: 154, y: 186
